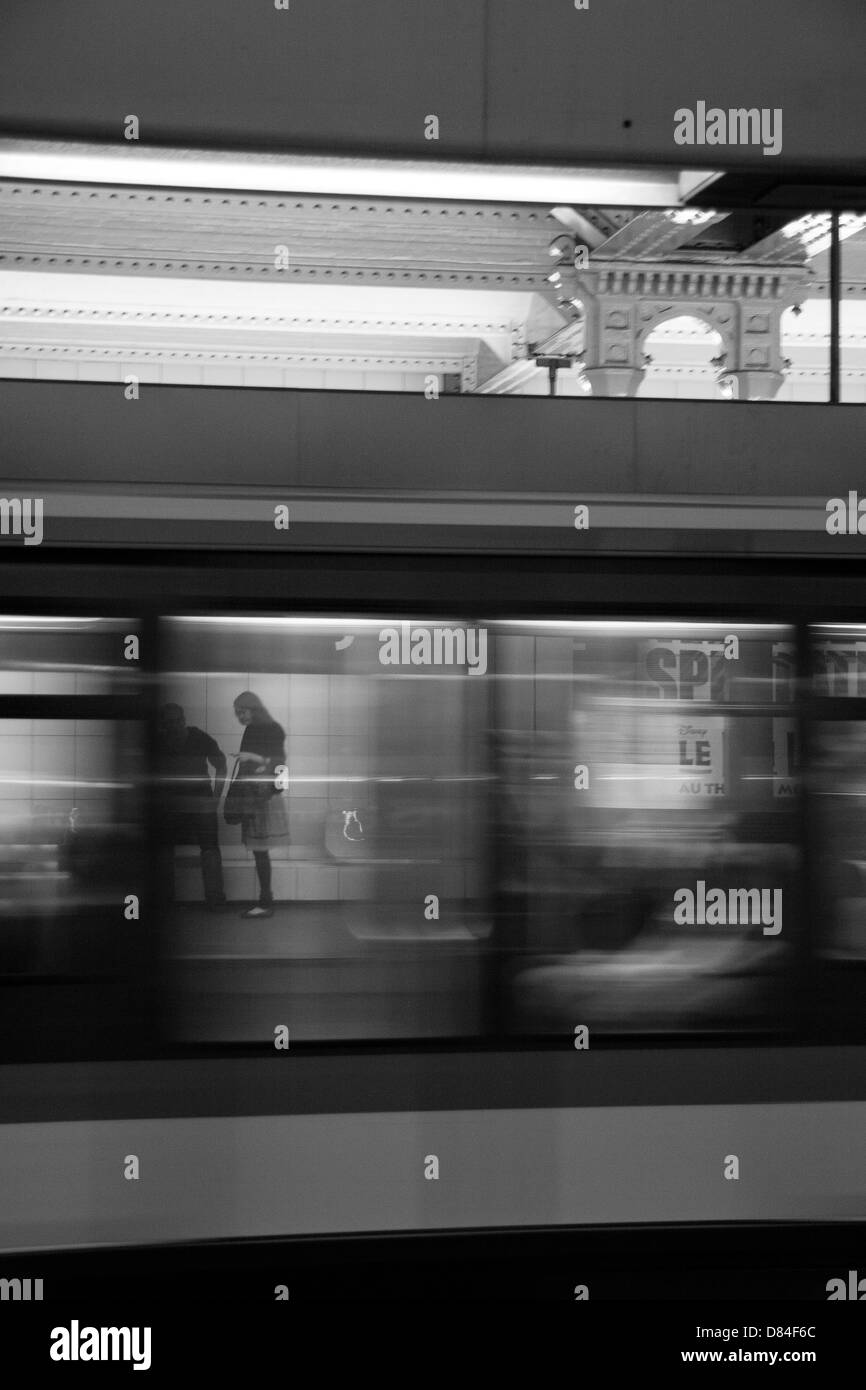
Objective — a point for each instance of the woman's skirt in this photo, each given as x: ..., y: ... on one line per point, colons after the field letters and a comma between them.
x: 269, y: 827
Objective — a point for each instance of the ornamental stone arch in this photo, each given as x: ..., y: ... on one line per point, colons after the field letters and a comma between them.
x: 743, y: 304
x: 685, y: 349
x: 720, y: 318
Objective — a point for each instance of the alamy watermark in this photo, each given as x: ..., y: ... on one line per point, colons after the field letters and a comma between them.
x: 854, y: 1288
x: 737, y: 907
x: 21, y: 1290
x: 737, y: 126
x: 846, y: 517
x: 76, y: 1343
x: 414, y: 645
x: 22, y: 516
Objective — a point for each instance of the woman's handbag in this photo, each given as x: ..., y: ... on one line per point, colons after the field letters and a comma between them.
x: 250, y: 803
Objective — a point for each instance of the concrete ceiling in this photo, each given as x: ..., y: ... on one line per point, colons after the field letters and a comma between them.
x: 506, y: 78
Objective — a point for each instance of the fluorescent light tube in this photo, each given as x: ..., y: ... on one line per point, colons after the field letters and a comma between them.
x: 53, y: 161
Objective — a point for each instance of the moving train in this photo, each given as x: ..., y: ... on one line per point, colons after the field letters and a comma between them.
x: 575, y: 866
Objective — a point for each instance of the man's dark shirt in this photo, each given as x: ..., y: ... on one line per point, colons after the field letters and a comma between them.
x: 187, y: 764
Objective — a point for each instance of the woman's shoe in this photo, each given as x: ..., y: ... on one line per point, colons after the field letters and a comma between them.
x: 258, y: 911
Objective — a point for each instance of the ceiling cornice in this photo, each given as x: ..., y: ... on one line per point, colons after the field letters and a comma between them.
x: 122, y: 230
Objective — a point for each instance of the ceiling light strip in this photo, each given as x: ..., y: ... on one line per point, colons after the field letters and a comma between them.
x: 391, y: 178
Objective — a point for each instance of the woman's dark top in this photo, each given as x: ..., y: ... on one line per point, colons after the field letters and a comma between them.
x: 268, y: 741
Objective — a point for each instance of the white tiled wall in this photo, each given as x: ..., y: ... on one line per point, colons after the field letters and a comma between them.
x: 340, y: 732
x: 326, y: 720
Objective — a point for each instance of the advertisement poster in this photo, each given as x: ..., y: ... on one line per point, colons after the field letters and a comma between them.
x: 658, y: 758
x: 662, y: 761
x: 840, y: 668
x: 685, y: 670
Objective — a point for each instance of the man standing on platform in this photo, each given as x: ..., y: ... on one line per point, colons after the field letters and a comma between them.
x: 191, y: 798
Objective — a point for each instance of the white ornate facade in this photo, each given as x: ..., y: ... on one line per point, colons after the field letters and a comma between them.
x: 223, y: 288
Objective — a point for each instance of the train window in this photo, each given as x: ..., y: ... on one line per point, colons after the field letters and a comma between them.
x: 839, y: 685
x: 839, y: 661
x: 323, y: 826
x: 67, y: 656
x: 647, y: 841
x: 71, y: 865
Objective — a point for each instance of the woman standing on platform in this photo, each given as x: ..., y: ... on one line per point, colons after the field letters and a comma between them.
x: 264, y: 824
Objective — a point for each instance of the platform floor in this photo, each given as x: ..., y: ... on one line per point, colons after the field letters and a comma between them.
x: 328, y: 971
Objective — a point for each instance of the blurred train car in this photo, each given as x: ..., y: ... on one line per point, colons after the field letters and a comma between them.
x: 514, y: 790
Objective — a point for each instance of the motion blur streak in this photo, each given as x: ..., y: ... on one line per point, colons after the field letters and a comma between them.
x: 71, y: 847
x: 281, y: 834
x: 443, y: 847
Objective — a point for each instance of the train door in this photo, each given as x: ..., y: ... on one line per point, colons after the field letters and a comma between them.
x: 378, y: 889
x: 652, y: 854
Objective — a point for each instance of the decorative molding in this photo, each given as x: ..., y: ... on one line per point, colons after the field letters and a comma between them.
x: 175, y: 232
x: 357, y: 361
x: 625, y: 303
x: 851, y: 289
x: 363, y: 275
x: 16, y: 311
x: 215, y: 334
x: 469, y: 375
x: 647, y: 269
x: 689, y: 281
x: 171, y: 232
x: 464, y: 213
